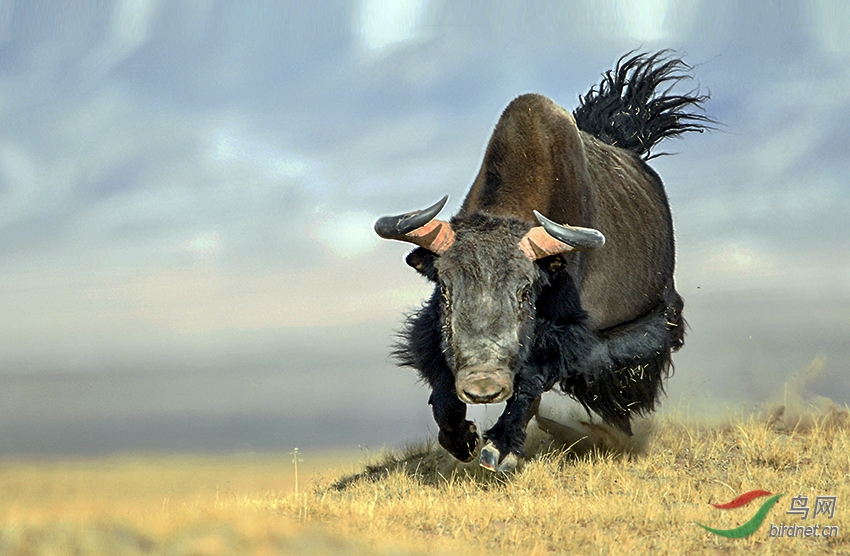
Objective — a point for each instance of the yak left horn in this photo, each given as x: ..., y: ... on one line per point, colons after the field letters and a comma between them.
x: 419, y: 227
x: 551, y: 238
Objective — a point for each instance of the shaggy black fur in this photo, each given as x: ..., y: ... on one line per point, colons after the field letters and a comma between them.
x: 616, y: 373
x: 624, y: 111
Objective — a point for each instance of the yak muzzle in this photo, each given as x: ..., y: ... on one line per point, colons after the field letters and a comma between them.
x: 475, y: 386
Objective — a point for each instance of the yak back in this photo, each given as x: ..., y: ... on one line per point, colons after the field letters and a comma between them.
x: 538, y: 159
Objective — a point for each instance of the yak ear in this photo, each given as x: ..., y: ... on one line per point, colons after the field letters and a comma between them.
x: 553, y: 265
x: 422, y: 260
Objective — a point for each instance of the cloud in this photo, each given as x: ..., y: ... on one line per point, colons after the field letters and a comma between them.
x: 738, y: 260
x: 18, y: 171
x: 204, y: 244
x: 228, y: 147
x: 347, y: 234
x: 829, y: 18
x: 129, y: 30
x: 167, y: 201
x: 7, y: 9
x: 643, y: 20
x: 383, y: 23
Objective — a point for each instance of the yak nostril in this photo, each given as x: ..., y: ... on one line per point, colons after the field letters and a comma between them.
x: 484, y: 386
x: 482, y: 398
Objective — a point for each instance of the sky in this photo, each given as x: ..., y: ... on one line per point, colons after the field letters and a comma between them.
x: 187, y: 193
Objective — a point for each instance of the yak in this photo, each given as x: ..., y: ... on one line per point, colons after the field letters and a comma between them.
x: 557, y: 271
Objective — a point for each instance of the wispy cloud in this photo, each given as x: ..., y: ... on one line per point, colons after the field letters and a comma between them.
x: 384, y: 23
x: 129, y: 29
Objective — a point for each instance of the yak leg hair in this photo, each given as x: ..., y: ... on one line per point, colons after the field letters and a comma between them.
x: 457, y: 435
x: 623, y: 374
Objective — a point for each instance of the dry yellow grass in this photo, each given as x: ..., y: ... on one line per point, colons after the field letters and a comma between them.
x: 181, y: 505
x: 419, y: 502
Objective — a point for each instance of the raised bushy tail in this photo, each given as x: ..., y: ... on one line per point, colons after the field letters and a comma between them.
x: 625, y: 111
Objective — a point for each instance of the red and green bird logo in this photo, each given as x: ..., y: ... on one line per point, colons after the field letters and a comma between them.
x: 754, y: 522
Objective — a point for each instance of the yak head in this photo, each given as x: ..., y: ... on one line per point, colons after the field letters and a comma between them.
x: 485, y: 268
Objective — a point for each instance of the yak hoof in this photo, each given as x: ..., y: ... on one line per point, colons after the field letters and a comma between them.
x: 489, y: 459
x: 460, y: 444
x: 509, y: 463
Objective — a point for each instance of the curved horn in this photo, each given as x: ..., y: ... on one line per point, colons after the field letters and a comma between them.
x: 551, y: 238
x: 419, y: 227
x: 392, y: 227
x: 581, y: 239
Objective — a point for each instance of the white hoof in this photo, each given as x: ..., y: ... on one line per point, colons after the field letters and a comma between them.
x: 489, y: 459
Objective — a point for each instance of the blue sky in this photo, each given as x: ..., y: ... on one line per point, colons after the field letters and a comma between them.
x: 187, y: 191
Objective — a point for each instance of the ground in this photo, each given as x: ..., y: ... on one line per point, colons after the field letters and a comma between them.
x: 418, y: 501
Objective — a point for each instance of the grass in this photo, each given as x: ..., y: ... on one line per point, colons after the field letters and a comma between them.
x: 419, y: 501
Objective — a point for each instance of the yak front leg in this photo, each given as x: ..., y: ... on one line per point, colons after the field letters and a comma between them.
x: 457, y: 435
x: 505, y: 442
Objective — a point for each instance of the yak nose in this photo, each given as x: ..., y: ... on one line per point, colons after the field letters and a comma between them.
x: 482, y: 387
x: 482, y: 395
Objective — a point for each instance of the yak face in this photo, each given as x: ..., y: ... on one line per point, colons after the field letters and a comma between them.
x: 488, y: 289
x: 487, y: 271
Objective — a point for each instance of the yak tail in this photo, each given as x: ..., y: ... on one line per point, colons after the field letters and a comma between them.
x: 625, y: 111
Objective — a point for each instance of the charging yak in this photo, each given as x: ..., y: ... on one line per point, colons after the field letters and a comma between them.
x: 558, y: 269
